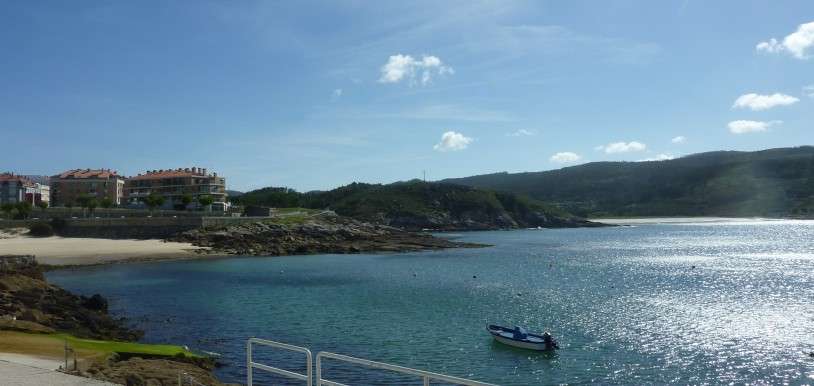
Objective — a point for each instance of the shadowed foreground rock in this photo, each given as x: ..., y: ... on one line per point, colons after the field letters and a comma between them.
x: 29, y: 303
x: 327, y: 234
x: 144, y: 372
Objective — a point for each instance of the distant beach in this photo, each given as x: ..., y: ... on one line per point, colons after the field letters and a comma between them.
x: 61, y: 251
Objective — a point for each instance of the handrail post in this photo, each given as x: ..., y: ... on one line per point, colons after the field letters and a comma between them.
x: 249, y: 363
x: 319, y: 370
x: 426, y: 381
x: 309, y: 369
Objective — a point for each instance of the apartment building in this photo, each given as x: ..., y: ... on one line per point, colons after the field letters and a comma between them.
x: 68, y: 186
x: 174, y: 184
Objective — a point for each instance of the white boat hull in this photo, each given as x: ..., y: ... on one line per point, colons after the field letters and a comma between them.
x: 526, y: 345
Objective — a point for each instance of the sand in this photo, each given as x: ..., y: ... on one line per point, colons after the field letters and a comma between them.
x: 59, y: 251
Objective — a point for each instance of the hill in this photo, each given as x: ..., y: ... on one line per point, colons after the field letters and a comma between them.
x: 771, y: 183
x: 416, y: 205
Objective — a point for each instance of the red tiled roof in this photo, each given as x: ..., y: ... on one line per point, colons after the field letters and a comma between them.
x: 172, y: 173
x: 88, y: 173
x: 15, y: 178
x: 165, y: 174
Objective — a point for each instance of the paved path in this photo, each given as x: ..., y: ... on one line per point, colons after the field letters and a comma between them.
x: 17, y: 374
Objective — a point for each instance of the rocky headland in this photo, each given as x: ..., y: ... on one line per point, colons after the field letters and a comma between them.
x: 319, y: 234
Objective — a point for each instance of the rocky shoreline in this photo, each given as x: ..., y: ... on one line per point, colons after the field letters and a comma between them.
x: 324, y: 234
x: 31, y: 305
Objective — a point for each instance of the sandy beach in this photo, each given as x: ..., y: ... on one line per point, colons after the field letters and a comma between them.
x: 59, y: 251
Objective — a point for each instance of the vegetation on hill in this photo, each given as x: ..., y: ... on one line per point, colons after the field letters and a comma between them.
x: 422, y: 205
x: 771, y: 183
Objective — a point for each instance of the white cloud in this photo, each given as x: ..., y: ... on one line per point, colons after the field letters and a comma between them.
x: 621, y: 147
x: 809, y: 91
x: 679, y: 139
x: 565, y: 157
x: 757, y: 102
x: 660, y: 157
x: 798, y: 43
x: 744, y: 126
x: 452, y: 141
x: 522, y: 133
x: 400, y: 67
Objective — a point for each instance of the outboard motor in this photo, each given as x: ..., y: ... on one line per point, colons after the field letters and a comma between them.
x: 550, y: 343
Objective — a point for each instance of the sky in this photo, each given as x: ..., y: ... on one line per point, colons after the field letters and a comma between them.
x: 315, y: 95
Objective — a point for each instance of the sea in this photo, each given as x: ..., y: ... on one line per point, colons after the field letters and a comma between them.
x: 688, y: 301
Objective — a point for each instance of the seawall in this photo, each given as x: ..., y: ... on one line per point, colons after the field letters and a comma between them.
x: 135, y: 228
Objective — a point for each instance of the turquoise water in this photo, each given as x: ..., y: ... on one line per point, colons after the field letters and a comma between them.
x: 651, y: 304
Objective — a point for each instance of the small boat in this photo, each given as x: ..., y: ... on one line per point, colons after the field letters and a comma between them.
x: 519, y: 337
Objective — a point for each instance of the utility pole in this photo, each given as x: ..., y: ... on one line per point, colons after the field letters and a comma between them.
x: 425, y: 175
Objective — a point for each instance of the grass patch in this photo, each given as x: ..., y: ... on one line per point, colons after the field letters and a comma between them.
x: 52, y: 345
x: 287, y: 211
x: 107, y: 346
x: 293, y: 216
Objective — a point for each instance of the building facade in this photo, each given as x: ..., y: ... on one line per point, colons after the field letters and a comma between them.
x: 174, y: 184
x: 15, y: 188
x: 69, y: 186
x: 42, y: 191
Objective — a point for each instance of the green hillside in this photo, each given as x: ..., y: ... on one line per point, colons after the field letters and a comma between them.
x: 771, y: 183
x: 421, y: 205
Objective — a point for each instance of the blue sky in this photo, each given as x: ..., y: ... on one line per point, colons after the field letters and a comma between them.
x: 313, y: 95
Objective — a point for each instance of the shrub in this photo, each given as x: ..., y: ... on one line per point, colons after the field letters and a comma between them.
x: 58, y: 224
x: 40, y: 229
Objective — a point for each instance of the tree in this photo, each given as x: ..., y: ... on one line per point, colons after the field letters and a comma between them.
x: 92, y: 204
x: 106, y: 203
x: 206, y: 202
x: 153, y: 201
x: 186, y: 200
x: 7, y: 209
x: 23, y: 210
x: 84, y: 201
x: 42, y: 205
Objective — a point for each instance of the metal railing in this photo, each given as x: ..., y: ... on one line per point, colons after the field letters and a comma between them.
x: 426, y: 376
x: 250, y: 364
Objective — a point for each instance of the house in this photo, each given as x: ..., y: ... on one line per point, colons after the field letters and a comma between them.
x: 43, y: 189
x: 67, y: 187
x: 15, y: 188
x: 175, y: 184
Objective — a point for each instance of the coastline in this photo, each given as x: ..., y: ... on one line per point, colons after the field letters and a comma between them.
x: 686, y: 220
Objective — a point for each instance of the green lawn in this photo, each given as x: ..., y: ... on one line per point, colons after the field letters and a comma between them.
x: 134, y: 348
x: 52, y: 345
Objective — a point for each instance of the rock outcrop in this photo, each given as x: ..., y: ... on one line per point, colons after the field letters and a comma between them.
x: 29, y: 303
x: 326, y: 234
x: 144, y: 372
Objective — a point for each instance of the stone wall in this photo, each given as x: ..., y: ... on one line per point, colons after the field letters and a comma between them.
x: 135, y: 227
x: 128, y: 228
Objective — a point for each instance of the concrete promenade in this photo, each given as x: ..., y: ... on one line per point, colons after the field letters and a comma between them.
x: 24, y: 370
